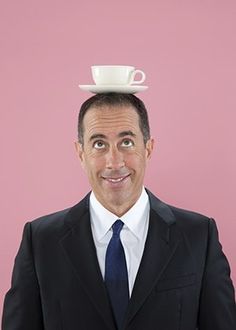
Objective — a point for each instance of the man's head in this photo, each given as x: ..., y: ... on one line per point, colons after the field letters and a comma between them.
x: 114, y: 146
x: 113, y: 100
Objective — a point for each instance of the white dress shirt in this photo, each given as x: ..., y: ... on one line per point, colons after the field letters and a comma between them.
x: 133, y: 234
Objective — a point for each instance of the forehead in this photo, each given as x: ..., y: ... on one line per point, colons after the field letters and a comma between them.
x: 111, y: 119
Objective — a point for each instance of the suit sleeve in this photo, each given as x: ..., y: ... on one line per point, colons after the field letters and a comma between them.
x: 22, y: 305
x: 217, y: 303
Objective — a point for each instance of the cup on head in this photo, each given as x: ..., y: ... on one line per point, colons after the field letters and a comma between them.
x: 116, y: 75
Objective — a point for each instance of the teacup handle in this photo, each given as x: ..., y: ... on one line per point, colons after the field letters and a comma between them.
x: 132, y: 81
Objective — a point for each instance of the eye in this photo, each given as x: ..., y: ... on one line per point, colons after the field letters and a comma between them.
x: 127, y: 143
x: 99, y: 145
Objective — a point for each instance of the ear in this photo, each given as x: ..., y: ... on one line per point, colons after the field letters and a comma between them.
x: 149, y: 148
x: 80, y: 152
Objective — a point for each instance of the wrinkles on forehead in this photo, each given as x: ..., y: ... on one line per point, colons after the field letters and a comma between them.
x: 119, y: 135
x: 118, y: 121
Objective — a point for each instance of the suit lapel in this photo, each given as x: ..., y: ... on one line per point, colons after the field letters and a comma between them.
x: 80, y: 250
x: 162, y: 241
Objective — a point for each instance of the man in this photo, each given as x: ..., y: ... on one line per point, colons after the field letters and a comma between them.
x: 120, y: 258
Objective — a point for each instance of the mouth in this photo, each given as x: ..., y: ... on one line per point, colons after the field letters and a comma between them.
x: 116, y: 180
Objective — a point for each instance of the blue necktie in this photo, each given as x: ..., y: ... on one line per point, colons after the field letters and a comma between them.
x: 116, y: 276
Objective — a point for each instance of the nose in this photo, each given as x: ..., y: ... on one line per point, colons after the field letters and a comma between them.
x: 114, y: 159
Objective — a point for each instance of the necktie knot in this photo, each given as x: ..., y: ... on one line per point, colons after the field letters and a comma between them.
x: 117, y: 226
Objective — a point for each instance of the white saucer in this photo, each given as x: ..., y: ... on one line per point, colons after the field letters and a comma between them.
x: 127, y: 89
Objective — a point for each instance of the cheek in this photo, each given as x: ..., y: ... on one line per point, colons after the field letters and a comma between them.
x: 137, y: 160
x: 93, y: 165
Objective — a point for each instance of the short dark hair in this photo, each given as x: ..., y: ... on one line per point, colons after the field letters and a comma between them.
x: 115, y: 99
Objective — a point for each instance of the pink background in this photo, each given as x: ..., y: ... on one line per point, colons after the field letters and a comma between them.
x: 187, y: 49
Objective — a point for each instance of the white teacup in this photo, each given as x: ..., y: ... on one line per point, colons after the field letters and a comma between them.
x: 116, y: 75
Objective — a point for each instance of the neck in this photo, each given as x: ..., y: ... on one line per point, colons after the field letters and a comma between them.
x: 119, y: 211
x: 119, y: 207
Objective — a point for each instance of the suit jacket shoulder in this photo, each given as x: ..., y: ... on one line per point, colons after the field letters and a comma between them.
x: 60, y: 221
x: 171, y: 214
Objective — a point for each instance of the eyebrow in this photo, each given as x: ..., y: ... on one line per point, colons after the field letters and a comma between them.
x: 124, y: 133
x: 102, y: 136
x: 97, y: 136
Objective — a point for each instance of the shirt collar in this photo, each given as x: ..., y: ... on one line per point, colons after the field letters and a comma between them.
x: 134, y: 218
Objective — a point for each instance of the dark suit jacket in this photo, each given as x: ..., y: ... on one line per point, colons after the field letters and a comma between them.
x: 183, y: 282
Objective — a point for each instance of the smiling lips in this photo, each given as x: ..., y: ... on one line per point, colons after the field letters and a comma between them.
x: 117, y: 179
